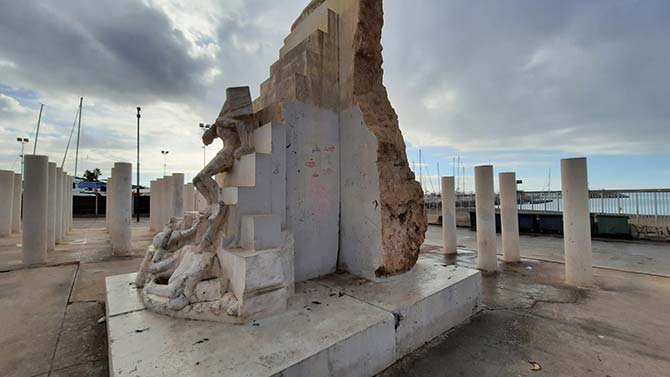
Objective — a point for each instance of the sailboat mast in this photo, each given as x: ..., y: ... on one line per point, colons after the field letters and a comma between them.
x: 76, y: 154
x: 37, y: 133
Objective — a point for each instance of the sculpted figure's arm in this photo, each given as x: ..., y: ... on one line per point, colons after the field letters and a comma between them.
x: 209, y: 135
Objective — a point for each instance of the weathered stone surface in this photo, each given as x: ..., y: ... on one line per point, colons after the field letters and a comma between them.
x: 404, y: 220
x: 332, y: 60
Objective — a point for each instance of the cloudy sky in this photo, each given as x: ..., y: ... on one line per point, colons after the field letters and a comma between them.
x: 519, y: 84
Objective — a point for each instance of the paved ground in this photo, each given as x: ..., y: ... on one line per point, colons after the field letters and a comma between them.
x: 636, y: 256
x: 50, y: 317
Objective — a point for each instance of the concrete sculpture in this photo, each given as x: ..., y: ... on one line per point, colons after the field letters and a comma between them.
x: 312, y: 177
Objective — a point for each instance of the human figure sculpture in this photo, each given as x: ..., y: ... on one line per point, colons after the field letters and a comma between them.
x: 183, y: 256
x: 233, y: 126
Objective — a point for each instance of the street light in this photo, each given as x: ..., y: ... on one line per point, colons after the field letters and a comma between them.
x: 137, y: 200
x: 23, y: 141
x: 204, y: 127
x: 164, y: 153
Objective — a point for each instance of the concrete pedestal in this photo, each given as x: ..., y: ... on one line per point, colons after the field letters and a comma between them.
x: 51, y: 210
x: 189, y: 197
x: 120, y: 232
x: 333, y: 326
x: 486, y: 218
x: 576, y: 222
x: 59, y: 205
x: 509, y: 217
x: 449, y: 215
x: 16, y: 206
x: 7, y: 200
x: 34, y: 242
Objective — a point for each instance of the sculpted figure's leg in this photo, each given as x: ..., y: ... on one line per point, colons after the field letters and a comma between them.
x: 141, y: 277
x: 185, y: 282
x: 167, y: 264
x: 244, y: 130
x: 204, y: 183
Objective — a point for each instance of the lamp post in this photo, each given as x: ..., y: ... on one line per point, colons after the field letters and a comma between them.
x: 204, y: 127
x: 137, y: 200
x: 23, y: 141
x: 164, y: 153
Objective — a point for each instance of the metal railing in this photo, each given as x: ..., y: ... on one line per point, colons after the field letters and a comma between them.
x: 650, y: 202
x: 636, y: 202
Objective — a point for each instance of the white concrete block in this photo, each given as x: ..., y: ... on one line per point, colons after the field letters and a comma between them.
x: 426, y: 301
x: 250, y: 270
x: 313, y: 187
x: 260, y: 232
x: 340, y: 336
x: 263, y: 139
x: 122, y: 295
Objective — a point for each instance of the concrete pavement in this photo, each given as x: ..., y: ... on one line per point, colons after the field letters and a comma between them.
x: 619, y: 328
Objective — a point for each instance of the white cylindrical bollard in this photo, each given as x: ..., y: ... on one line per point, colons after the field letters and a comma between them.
x: 63, y: 203
x: 449, y: 215
x: 7, y: 200
x: 168, y: 198
x: 486, y: 219
x: 160, y: 193
x: 70, y: 201
x: 576, y: 222
x: 34, y: 240
x: 152, y: 206
x: 509, y: 217
x: 51, y: 208
x: 108, y: 200
x: 16, y: 206
x: 122, y: 209
x: 59, y: 204
x: 189, y: 197
x: 178, y: 199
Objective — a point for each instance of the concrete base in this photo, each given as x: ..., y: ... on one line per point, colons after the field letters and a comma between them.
x: 339, y: 325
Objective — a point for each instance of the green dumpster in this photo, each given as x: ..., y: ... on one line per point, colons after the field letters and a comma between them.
x: 613, y: 226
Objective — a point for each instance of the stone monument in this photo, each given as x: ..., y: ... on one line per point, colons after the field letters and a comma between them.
x: 314, y: 177
x: 307, y: 229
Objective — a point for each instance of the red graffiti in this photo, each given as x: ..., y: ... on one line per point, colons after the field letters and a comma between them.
x: 310, y: 163
x: 315, y: 175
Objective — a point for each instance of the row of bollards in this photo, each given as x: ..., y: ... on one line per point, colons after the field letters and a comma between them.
x: 170, y: 197
x: 46, y: 195
x: 576, y: 219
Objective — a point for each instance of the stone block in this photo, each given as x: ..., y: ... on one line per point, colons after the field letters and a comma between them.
x: 320, y: 334
x: 260, y: 232
x: 427, y: 301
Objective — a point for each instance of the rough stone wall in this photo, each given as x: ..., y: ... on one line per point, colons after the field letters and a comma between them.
x: 404, y: 221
